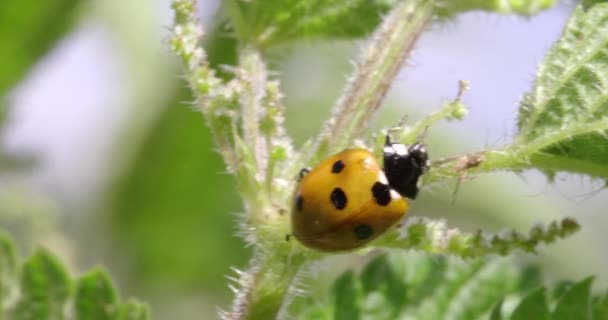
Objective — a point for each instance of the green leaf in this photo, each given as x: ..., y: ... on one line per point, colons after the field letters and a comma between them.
x: 533, y: 306
x: 413, y: 285
x: 45, y: 287
x: 270, y: 22
x: 563, y: 121
x: 45, y: 291
x: 345, y: 297
x: 95, y: 297
x: 378, y: 276
x: 600, y: 307
x: 522, y: 7
x: 132, y: 310
x: 496, y: 313
x: 181, y: 145
x: 8, y: 268
x: 575, y: 303
x: 590, y: 3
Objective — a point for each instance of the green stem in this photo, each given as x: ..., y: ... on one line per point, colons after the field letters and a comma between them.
x: 266, y: 285
x: 237, y: 21
x: 435, y: 236
x: 252, y: 76
x: 376, y: 69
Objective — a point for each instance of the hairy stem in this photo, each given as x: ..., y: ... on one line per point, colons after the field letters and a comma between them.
x: 377, y: 67
x: 436, y: 236
x: 265, y: 287
x: 252, y: 77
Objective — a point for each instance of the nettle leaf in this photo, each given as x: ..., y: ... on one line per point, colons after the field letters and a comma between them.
x: 271, y: 22
x: 600, y: 307
x: 95, y: 297
x: 590, y: 3
x: 525, y: 7
x: 533, y: 306
x: 8, y: 269
x: 132, y: 310
x: 45, y: 287
x: 567, y: 301
x: 45, y: 290
x: 575, y: 303
x: 563, y: 121
x: 496, y: 313
x: 417, y: 285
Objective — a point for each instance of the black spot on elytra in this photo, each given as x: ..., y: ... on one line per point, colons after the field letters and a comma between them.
x: 363, y: 231
x: 338, y: 198
x: 299, y: 202
x: 381, y: 193
x: 337, y: 166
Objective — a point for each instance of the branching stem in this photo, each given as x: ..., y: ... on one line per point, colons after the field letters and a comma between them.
x: 377, y: 67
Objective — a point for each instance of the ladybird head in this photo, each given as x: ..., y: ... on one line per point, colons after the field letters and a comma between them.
x: 403, y: 165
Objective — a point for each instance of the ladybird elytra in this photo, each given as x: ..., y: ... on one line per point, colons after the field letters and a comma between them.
x: 345, y: 202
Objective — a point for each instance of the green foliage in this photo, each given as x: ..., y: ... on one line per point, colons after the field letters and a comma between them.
x: 272, y: 22
x: 45, y: 287
x: 8, y: 267
x: 244, y: 112
x: 533, y: 304
x: 40, y: 288
x: 436, y: 237
x: 590, y: 3
x: 564, y: 120
x: 400, y: 285
x: 167, y: 189
x: 574, y: 301
x: 408, y: 285
x: 525, y: 7
x: 28, y: 30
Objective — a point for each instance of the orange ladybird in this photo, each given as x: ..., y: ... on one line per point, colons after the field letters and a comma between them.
x: 348, y: 199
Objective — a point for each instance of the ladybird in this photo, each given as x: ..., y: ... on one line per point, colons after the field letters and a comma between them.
x: 348, y: 199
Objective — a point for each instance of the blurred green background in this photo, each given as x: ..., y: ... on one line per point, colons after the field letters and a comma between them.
x: 105, y: 161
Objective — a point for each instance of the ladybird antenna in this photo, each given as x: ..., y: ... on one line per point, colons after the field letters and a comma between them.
x: 402, y: 121
x: 456, y: 189
x: 399, y: 126
x: 422, y: 136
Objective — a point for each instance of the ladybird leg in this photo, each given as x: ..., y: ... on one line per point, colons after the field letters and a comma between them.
x: 398, y: 127
x: 288, y: 237
x: 402, y: 121
x: 302, y: 173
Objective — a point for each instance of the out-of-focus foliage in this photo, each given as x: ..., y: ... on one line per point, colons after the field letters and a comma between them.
x: 28, y: 29
x: 171, y: 214
x: 412, y: 285
x: 41, y: 288
x: 174, y: 211
x: 422, y: 286
x: 177, y: 186
x: 274, y: 22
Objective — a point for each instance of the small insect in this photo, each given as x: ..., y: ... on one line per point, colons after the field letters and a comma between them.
x: 348, y: 199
